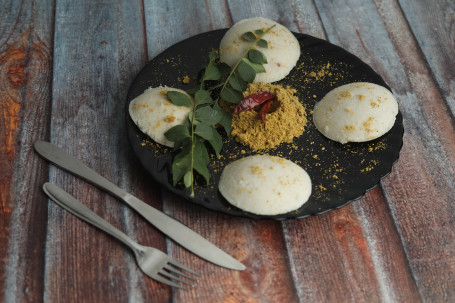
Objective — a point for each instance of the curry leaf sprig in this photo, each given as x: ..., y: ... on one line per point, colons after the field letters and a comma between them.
x: 206, y: 113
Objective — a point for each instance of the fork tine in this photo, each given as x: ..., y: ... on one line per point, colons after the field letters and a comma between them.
x: 168, y: 282
x: 173, y: 269
x: 174, y: 277
x: 178, y: 264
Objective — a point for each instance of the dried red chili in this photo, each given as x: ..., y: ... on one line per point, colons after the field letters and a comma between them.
x: 265, y: 108
x: 252, y: 101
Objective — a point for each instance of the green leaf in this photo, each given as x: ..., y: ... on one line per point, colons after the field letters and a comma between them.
x: 212, y: 72
x: 256, y: 56
x: 249, y: 36
x: 213, y: 55
x: 191, y: 120
x: 201, y: 155
x: 237, y: 83
x: 259, y: 32
x: 231, y: 95
x: 179, y: 98
x: 177, y: 133
x: 188, y: 178
x: 246, y: 71
x: 192, y: 91
x: 224, y: 68
x: 216, y: 142
x: 201, y: 160
x: 202, y: 97
x: 226, y: 119
x: 207, y: 115
x: 204, y: 131
x: 263, y: 43
x: 180, y: 166
x: 258, y: 68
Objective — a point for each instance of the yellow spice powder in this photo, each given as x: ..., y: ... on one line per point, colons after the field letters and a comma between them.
x: 285, y: 121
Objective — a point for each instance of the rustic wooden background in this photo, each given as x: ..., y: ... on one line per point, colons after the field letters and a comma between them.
x: 65, y: 67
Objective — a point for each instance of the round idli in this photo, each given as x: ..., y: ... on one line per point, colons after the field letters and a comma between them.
x: 356, y: 112
x: 155, y: 114
x: 282, y: 53
x: 265, y: 185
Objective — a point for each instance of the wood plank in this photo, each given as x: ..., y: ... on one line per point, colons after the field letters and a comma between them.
x: 427, y: 133
x: 95, y: 61
x: 25, y: 60
x: 431, y: 23
x: 423, y: 211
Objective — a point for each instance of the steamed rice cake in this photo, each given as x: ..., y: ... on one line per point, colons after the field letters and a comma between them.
x: 356, y: 112
x: 282, y: 53
x: 155, y: 114
x: 265, y: 185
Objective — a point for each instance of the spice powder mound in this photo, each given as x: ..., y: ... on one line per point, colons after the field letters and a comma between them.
x: 285, y: 121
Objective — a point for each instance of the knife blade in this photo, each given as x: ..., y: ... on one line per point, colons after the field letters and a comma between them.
x: 175, y: 230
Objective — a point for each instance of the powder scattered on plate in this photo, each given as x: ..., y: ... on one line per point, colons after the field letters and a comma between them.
x: 155, y: 114
x: 265, y: 185
x: 282, y: 53
x: 356, y: 112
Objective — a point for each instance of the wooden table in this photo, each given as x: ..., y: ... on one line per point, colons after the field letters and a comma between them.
x: 65, y: 70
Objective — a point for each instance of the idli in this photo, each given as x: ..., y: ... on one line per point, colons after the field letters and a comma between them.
x: 265, y: 185
x: 155, y: 114
x: 356, y: 112
x: 282, y: 53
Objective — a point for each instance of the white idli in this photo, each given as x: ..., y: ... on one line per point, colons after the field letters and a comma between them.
x: 356, y: 112
x: 265, y: 185
x: 155, y: 114
x: 282, y: 53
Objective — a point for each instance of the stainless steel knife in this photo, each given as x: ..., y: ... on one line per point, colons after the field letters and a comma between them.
x: 175, y: 230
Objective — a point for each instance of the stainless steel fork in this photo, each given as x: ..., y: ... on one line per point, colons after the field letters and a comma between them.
x: 152, y: 261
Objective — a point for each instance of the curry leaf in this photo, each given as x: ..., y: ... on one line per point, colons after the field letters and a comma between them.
x: 177, y: 133
x: 237, y: 83
x: 202, y: 97
x: 212, y: 72
x: 204, y: 131
x: 208, y: 115
x: 180, y: 166
x: 231, y: 95
x: 246, y: 71
x: 263, y: 43
x: 179, y: 98
x: 201, y: 160
x: 216, y: 142
x: 226, y: 119
x: 256, y: 56
x: 224, y: 69
x: 258, y: 68
x: 188, y: 178
x: 249, y: 36
x: 213, y: 55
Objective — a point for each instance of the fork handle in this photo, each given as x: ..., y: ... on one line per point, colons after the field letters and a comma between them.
x: 68, y: 202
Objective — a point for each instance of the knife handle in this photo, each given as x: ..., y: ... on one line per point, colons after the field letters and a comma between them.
x: 64, y: 160
x: 69, y: 203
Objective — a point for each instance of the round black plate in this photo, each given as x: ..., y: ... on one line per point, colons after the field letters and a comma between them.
x: 340, y: 173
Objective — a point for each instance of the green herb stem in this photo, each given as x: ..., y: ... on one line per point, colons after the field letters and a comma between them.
x: 192, y: 150
x: 259, y: 37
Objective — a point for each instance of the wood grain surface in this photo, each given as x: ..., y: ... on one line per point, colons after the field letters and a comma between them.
x: 65, y: 69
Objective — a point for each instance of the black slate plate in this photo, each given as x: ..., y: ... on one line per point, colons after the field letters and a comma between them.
x: 339, y: 173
